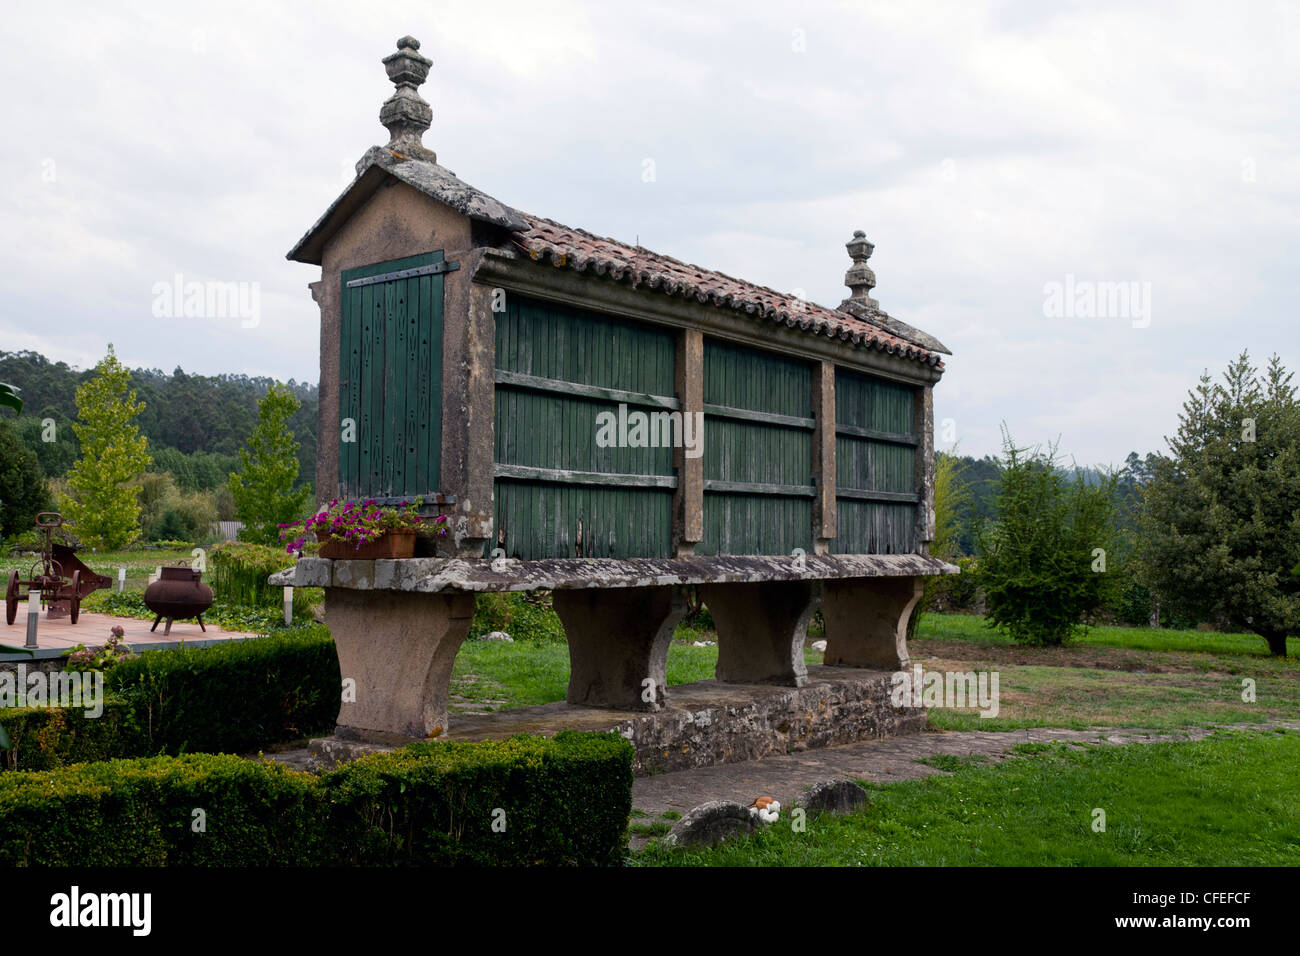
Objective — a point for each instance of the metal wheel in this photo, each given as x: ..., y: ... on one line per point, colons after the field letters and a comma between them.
x: 11, y: 598
x: 74, y: 605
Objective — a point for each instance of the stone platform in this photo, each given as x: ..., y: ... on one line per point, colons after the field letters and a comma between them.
x: 702, y: 724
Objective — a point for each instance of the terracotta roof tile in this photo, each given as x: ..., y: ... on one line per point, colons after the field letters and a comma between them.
x: 577, y: 249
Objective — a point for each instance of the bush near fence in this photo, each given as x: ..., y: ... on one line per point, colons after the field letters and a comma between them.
x: 560, y: 801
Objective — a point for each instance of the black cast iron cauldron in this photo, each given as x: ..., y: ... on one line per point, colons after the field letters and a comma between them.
x: 178, y: 594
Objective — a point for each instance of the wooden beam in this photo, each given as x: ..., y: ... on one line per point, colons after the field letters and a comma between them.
x: 537, y: 384
x: 858, y: 431
x: 763, y: 418
x: 561, y: 476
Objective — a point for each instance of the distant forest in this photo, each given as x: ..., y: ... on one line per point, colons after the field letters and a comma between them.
x: 196, y: 424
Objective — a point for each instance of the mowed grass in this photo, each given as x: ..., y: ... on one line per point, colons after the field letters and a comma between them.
x: 971, y: 627
x: 1130, y: 677
x: 499, y: 676
x: 1113, y: 676
x: 1229, y: 800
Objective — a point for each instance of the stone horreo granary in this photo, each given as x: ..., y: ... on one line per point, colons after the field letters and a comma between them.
x: 614, y: 426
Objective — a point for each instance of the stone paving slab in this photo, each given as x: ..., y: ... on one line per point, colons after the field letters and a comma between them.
x: 56, y: 635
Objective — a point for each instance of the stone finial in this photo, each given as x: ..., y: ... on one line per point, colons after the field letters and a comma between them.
x: 405, y: 114
x: 860, y: 279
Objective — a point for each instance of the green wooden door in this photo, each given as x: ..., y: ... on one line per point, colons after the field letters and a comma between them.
x: 390, y: 381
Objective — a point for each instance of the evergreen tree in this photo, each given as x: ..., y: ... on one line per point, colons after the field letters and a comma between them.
x: 101, y: 502
x: 23, y: 492
x: 1221, y: 514
x: 263, y: 487
x: 1043, y: 560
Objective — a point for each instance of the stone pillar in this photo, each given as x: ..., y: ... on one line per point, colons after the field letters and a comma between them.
x: 866, y: 621
x: 469, y: 344
x: 823, y: 457
x: 618, y: 638
x: 398, y: 648
x: 761, y: 630
x: 688, y: 500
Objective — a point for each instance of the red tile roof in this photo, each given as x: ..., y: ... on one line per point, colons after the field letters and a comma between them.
x: 582, y: 251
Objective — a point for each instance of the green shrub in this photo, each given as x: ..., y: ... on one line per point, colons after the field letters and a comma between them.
x: 563, y: 801
x: 523, y: 617
x: 142, y: 813
x: 239, y: 572
x: 1037, y: 561
x: 235, y: 696
x: 41, y: 738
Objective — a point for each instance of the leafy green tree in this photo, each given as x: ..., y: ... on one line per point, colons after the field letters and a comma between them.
x: 263, y: 487
x: 101, y: 501
x: 23, y: 491
x: 1221, y: 514
x: 1043, y: 558
x: 950, y: 497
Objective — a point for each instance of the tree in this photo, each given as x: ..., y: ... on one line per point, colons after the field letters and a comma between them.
x: 1043, y: 559
x: 101, y: 503
x: 950, y: 497
x: 22, y: 487
x: 263, y: 488
x: 1221, y: 514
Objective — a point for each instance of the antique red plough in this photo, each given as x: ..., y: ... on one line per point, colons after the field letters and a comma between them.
x: 59, y: 576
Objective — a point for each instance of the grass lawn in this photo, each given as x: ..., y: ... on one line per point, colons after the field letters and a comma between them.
x: 1229, y: 800
x: 1129, y: 677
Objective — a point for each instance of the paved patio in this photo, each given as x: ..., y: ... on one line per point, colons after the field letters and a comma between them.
x: 56, y: 635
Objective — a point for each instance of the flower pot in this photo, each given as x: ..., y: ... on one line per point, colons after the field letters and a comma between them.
x: 396, y: 543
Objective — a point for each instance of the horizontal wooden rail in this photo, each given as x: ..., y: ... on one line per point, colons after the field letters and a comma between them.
x: 537, y: 384
x: 903, y: 497
x: 761, y: 418
x: 759, y: 488
x: 564, y: 477
x: 857, y: 431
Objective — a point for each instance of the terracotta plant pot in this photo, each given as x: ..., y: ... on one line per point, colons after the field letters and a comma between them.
x: 398, y: 543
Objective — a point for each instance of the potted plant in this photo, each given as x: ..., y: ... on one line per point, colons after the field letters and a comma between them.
x: 364, y: 530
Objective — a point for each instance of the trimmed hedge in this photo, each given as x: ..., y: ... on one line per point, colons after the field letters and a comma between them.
x: 141, y: 813
x: 562, y: 800
x: 42, y: 738
x: 565, y: 801
x: 235, y: 696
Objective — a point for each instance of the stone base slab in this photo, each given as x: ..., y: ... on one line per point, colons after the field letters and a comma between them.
x: 703, y: 724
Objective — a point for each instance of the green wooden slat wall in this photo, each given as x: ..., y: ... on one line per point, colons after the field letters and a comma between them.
x: 737, y: 450
x: 550, y: 429
x: 871, y: 527
x: 390, y: 381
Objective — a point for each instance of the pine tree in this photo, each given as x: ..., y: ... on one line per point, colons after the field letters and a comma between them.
x: 263, y: 487
x: 101, y: 502
x: 1221, y: 515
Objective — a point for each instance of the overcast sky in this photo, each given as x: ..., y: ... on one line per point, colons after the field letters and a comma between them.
x: 989, y: 150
